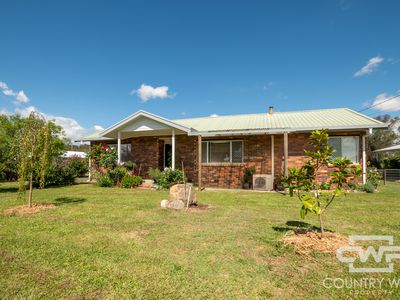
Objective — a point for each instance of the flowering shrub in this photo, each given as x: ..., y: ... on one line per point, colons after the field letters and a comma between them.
x: 103, y: 156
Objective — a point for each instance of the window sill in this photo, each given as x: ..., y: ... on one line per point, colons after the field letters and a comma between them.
x: 223, y: 164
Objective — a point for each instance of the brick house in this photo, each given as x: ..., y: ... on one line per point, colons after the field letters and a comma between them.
x: 216, y: 150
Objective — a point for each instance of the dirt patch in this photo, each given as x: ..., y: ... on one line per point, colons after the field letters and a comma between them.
x: 307, y: 241
x: 135, y: 235
x: 199, y: 207
x: 26, y: 210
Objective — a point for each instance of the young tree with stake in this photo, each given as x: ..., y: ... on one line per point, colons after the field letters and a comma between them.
x: 32, y: 152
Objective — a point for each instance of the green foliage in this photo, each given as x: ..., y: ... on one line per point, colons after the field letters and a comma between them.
x: 373, y: 177
x: 104, y: 180
x: 368, y: 187
x: 155, y: 174
x: 303, y: 182
x: 117, y: 173
x: 129, y: 181
x: 34, y: 146
x: 78, y: 165
x: 57, y: 174
x: 103, y: 156
x: 391, y: 163
x: 169, y: 177
x: 325, y: 186
x: 129, y: 165
x: 247, y: 179
x: 10, y: 129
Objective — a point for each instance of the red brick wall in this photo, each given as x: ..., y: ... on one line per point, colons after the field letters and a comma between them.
x: 257, y: 153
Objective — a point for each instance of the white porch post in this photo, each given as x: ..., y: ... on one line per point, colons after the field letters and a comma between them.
x: 364, y: 161
x: 173, y: 149
x: 119, y: 147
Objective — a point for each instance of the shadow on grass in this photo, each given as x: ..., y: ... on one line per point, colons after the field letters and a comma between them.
x: 8, y: 189
x: 69, y: 200
x: 296, y: 225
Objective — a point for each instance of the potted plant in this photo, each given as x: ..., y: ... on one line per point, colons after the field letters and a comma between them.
x: 247, y: 181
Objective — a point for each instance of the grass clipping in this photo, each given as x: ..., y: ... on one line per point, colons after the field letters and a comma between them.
x: 307, y: 241
x: 26, y: 210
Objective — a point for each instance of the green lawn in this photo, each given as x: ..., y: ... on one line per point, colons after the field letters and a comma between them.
x: 115, y: 243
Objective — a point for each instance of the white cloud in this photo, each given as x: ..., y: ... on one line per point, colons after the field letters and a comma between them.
x: 70, y: 126
x: 370, y: 67
x: 98, y: 128
x: 20, y: 97
x: 147, y: 92
x: 214, y: 115
x: 383, y: 103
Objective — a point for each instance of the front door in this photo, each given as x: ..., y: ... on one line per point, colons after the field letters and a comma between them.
x: 167, y: 155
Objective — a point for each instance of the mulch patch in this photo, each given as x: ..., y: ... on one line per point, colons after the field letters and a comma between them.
x: 307, y: 241
x: 26, y: 210
x: 198, y: 207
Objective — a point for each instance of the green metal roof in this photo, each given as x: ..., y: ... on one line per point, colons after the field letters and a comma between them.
x: 333, y: 119
x: 339, y: 118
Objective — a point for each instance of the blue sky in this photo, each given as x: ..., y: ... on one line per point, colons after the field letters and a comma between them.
x: 79, y: 61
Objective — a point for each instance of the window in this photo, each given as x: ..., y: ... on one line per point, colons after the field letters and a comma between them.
x: 345, y: 146
x: 222, y: 152
x: 126, y: 151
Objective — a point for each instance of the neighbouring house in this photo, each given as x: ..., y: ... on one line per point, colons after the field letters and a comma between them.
x: 72, y: 154
x: 216, y: 150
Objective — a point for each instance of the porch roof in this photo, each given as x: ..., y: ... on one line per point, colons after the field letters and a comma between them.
x: 277, y: 122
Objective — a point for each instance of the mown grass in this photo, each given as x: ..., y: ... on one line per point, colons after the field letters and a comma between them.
x: 116, y: 243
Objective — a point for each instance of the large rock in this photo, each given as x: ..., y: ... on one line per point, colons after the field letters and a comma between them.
x: 183, y: 192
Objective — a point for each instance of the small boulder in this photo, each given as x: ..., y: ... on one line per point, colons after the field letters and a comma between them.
x: 176, y: 204
x: 164, y: 203
x: 185, y: 192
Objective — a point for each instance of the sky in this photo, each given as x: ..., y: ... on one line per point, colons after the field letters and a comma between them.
x: 88, y: 64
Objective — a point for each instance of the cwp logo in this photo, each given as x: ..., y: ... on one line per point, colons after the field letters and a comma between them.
x: 354, y: 252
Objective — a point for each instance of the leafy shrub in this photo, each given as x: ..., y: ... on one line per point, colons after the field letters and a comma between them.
x: 155, y: 174
x: 169, y: 177
x: 129, y: 181
x: 61, y: 172
x: 325, y: 186
x: 104, y: 180
x: 373, y: 177
x: 79, y: 166
x: 248, y: 176
x: 368, y: 187
x: 129, y: 165
x: 117, y: 174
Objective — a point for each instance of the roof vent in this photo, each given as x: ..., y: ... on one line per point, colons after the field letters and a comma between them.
x: 270, y: 110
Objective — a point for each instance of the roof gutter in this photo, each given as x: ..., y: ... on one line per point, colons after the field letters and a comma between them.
x: 280, y: 130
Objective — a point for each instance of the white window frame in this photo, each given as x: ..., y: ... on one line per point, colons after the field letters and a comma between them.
x: 358, y: 145
x: 230, y: 151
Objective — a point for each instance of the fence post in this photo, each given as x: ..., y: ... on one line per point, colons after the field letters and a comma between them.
x: 384, y: 176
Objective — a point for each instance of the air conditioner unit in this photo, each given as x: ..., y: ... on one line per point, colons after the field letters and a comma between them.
x: 263, y: 182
